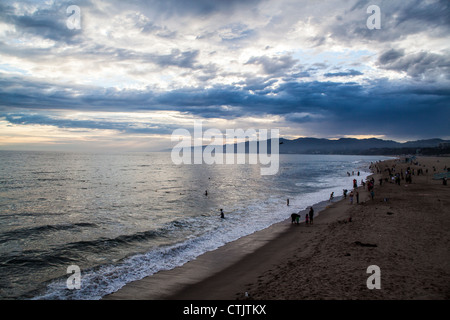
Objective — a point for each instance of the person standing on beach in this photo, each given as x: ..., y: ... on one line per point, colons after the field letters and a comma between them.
x: 306, y: 218
x: 331, y: 196
x: 351, y: 197
x: 357, y: 197
x: 311, y: 215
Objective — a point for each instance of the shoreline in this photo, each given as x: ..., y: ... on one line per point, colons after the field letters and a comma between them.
x: 276, y: 262
x: 166, y: 284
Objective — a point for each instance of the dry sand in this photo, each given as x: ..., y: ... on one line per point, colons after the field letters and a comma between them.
x: 407, y: 237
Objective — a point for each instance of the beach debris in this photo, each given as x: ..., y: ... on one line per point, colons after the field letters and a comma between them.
x: 359, y: 243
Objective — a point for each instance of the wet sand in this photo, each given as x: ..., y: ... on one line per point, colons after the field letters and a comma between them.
x: 404, y: 230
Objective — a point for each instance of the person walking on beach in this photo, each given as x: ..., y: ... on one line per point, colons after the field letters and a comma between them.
x: 311, y: 215
x: 331, y: 196
x: 351, y: 197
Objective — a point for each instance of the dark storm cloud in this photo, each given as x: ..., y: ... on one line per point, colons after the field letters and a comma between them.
x: 169, y: 8
x: 416, y: 64
x: 186, y: 59
x: 390, y: 56
x: 258, y: 84
x: 383, y: 107
x: 47, y: 23
x: 160, y: 31
x: 349, y: 73
x: 274, y: 65
x: 104, y: 54
x: 51, y: 120
x: 398, y: 20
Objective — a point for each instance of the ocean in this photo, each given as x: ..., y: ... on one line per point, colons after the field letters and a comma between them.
x: 122, y: 216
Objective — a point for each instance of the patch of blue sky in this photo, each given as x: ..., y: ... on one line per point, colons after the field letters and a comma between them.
x: 333, y: 58
x: 7, y: 68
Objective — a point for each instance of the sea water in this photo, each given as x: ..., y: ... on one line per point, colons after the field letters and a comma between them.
x: 123, y: 216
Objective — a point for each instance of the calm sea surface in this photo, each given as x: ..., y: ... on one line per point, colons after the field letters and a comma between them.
x: 121, y: 217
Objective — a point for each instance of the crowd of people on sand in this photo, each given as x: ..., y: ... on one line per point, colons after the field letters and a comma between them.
x: 395, y: 176
x: 397, y: 173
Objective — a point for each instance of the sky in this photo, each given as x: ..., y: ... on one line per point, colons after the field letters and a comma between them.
x: 131, y: 72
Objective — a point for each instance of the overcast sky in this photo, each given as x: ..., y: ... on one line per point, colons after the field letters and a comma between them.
x: 137, y: 70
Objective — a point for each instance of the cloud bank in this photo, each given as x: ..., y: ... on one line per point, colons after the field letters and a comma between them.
x: 308, y: 68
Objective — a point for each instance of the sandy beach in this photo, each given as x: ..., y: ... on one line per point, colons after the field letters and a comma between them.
x: 404, y: 230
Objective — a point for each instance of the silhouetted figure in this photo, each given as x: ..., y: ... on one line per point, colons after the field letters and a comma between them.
x: 311, y: 215
x: 295, y: 218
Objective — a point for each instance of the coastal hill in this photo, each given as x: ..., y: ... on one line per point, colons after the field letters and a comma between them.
x: 372, y: 146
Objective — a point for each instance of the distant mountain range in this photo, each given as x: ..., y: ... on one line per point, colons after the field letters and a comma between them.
x: 372, y: 146
x: 357, y: 146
